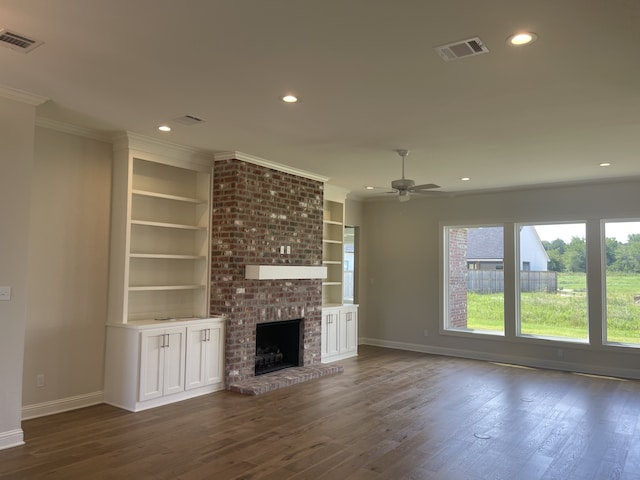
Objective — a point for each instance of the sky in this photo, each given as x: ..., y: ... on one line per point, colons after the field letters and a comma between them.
x: 618, y: 230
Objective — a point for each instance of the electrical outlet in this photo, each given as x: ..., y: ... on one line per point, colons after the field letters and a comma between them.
x: 5, y: 293
x: 288, y: 249
x: 40, y: 380
x: 281, y: 249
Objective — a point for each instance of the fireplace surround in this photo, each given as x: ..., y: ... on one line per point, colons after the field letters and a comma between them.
x: 255, y: 211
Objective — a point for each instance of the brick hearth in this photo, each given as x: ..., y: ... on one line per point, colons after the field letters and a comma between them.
x: 255, y: 211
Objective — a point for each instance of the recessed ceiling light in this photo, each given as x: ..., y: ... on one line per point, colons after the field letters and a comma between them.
x: 465, y: 179
x: 368, y: 188
x: 289, y: 99
x: 164, y: 128
x: 522, y: 38
x: 605, y: 164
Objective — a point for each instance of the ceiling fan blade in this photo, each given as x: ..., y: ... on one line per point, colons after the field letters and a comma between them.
x: 425, y: 186
x: 388, y: 190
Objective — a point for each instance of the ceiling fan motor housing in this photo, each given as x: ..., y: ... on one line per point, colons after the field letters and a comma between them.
x: 402, y: 184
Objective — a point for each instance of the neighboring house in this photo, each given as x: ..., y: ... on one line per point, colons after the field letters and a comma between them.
x: 485, y: 247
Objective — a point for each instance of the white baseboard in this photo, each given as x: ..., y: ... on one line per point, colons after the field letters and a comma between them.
x: 496, y: 357
x: 12, y: 438
x: 61, y: 405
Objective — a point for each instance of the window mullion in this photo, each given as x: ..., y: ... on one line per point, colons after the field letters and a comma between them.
x: 595, y: 285
x: 511, y: 276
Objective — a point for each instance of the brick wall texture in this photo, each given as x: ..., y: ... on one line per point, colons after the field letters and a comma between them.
x: 458, y: 278
x: 255, y: 211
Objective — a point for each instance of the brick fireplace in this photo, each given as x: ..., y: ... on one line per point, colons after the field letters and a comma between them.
x: 256, y: 210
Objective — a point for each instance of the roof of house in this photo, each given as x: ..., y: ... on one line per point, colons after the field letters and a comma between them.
x: 486, y: 243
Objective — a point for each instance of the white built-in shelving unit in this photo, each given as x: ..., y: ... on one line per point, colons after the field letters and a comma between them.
x: 161, y: 216
x: 159, y: 330
x: 339, y: 335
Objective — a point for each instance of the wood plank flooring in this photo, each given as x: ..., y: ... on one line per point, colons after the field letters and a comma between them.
x: 390, y: 415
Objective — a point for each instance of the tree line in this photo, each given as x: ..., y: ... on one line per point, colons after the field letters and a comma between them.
x: 572, y: 256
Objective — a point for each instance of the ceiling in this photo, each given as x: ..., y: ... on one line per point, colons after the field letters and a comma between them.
x: 368, y: 77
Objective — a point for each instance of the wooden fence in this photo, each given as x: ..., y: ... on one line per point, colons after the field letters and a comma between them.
x: 492, y: 281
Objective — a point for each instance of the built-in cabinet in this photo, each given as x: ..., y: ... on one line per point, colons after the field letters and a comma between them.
x: 339, y: 321
x: 148, y: 366
x: 332, y: 251
x: 162, y: 357
x: 160, y: 233
x: 158, y: 347
x: 339, y: 333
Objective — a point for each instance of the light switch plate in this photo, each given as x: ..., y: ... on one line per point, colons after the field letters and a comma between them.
x: 5, y: 293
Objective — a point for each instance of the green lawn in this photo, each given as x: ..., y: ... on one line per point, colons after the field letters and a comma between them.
x: 564, y: 314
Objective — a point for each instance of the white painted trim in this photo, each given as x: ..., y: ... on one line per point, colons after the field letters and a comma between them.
x: 61, y: 405
x: 21, y: 96
x: 72, y: 129
x: 335, y: 193
x: 139, y: 143
x: 515, y: 360
x: 245, y: 157
x: 168, y: 399
x: 284, y: 272
x: 11, y: 438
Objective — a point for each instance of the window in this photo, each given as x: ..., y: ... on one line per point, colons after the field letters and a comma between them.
x: 553, y: 294
x: 546, y: 281
x: 475, y: 279
x: 622, y: 282
x: 349, y: 265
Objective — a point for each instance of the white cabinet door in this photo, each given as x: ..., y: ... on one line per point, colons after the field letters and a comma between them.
x: 174, y: 358
x: 151, y: 364
x: 215, y: 354
x: 349, y: 330
x: 204, y: 354
x: 196, y: 355
x: 329, y: 334
x: 162, y: 356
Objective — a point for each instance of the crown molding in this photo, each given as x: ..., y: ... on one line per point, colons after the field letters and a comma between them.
x: 72, y: 129
x: 21, y: 96
x: 159, y: 149
x: 232, y: 155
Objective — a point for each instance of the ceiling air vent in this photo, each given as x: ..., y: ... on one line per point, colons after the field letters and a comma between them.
x: 462, y: 49
x: 188, y: 120
x: 17, y: 41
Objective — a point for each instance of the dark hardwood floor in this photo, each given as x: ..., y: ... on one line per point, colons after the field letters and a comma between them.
x: 390, y: 415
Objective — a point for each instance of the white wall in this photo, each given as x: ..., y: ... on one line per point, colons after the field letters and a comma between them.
x: 532, y: 250
x: 16, y: 162
x: 402, y: 265
x: 67, y: 272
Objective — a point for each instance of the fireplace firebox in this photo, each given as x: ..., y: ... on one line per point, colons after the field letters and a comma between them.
x: 278, y: 345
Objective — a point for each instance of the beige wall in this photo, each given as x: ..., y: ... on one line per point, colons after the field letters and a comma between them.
x: 68, y: 268
x: 402, y: 276
x: 16, y: 162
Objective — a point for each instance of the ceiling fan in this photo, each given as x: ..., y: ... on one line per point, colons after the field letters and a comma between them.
x: 404, y: 187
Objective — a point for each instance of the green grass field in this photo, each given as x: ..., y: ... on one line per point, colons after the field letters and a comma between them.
x: 564, y: 314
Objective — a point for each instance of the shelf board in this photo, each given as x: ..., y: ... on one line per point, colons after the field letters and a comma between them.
x: 146, y: 193
x: 167, y: 225
x: 150, y: 288
x: 332, y: 262
x: 331, y: 283
x: 332, y: 222
x: 166, y: 256
x: 326, y: 240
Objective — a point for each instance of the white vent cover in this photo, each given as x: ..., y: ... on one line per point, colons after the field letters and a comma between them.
x: 188, y: 120
x: 17, y: 41
x: 462, y: 49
